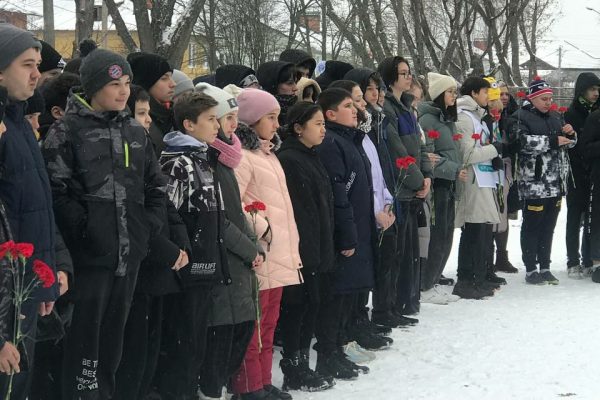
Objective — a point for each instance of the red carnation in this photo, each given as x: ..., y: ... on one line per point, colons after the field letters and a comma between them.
x: 405, y: 162
x: 456, y: 137
x: 24, y: 250
x: 521, y: 94
x: 259, y: 205
x: 249, y: 208
x: 400, y: 164
x: 433, y: 134
x: 476, y: 136
x: 562, y: 110
x: 554, y: 107
x: 44, y: 273
x: 6, y: 248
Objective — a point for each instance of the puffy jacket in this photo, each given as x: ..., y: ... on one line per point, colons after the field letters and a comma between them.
x: 261, y: 178
x: 234, y: 303
x: 404, y: 139
x: 108, y: 192
x: 25, y: 191
x: 7, y: 313
x: 349, y: 172
x: 450, y: 163
x: 195, y: 193
x: 543, y: 167
x: 475, y: 205
x: 312, y: 198
x: 590, y: 145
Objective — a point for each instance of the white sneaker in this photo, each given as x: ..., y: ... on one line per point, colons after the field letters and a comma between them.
x: 434, y: 296
x: 357, y: 354
x: 451, y: 298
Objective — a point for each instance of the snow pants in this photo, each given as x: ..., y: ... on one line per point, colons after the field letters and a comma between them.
x: 537, y: 231
x: 255, y: 371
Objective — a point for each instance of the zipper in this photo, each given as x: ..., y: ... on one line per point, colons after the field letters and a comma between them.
x: 126, y: 146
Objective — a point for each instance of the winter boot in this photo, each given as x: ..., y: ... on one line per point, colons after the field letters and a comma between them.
x: 257, y: 395
x: 575, y: 272
x: 492, y: 277
x: 534, y: 278
x: 276, y: 393
x: 370, y: 341
x: 596, y: 273
x: 468, y: 290
x: 329, y: 365
x: 548, y: 277
x: 297, y: 376
x: 361, y: 369
x: 304, y: 360
x: 503, y: 263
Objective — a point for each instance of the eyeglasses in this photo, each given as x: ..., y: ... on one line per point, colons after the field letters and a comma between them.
x: 405, y: 75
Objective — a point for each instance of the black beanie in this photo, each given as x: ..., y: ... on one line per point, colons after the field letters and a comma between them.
x: 51, y: 59
x: 35, y: 104
x: 3, y: 101
x: 101, y: 67
x: 148, y: 68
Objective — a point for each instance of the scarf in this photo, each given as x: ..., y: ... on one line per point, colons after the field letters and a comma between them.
x: 230, y: 154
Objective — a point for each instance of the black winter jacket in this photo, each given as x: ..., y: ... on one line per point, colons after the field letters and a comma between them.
x: 162, y: 123
x: 349, y: 172
x: 312, y: 198
x: 7, y: 313
x: 590, y: 145
x: 108, y: 192
x: 25, y: 191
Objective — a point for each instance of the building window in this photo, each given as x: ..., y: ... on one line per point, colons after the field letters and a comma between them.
x: 192, y: 55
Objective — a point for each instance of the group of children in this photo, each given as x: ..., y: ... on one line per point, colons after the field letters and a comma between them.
x: 204, y: 221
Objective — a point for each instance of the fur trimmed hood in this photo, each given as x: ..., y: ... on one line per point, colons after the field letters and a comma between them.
x: 250, y: 140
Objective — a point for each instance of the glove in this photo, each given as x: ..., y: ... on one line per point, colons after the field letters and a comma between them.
x: 497, y: 164
x: 499, y: 147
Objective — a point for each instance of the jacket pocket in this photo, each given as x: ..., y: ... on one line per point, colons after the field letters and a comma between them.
x: 539, y: 163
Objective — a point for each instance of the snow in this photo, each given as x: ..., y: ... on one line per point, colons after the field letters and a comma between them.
x: 527, y: 342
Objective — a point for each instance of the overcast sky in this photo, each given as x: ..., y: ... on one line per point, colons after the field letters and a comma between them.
x: 575, y: 27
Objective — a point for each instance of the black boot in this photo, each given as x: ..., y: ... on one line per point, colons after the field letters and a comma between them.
x: 503, y: 263
x: 469, y: 290
x: 492, y: 277
x: 277, y: 393
x: 328, y: 364
x: 297, y: 375
x: 305, y: 361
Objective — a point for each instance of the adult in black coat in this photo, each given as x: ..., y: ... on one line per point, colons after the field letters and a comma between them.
x: 312, y: 198
x: 279, y: 78
x: 334, y: 70
x: 584, y: 102
x: 304, y: 62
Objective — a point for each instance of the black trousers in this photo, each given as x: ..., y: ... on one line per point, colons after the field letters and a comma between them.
x: 334, y: 312
x: 225, y: 349
x: 408, y: 287
x: 183, y: 347
x: 386, y: 276
x: 537, y: 231
x: 442, y: 234
x: 593, y: 222
x: 94, y: 343
x: 501, y: 240
x: 297, y: 319
x: 143, y: 333
x: 577, y: 211
x: 22, y: 381
x: 473, y: 251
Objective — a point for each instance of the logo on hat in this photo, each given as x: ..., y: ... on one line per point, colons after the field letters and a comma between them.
x: 232, y: 103
x: 115, y: 71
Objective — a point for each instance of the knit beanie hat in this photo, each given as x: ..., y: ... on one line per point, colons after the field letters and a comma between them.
x: 148, y: 68
x: 51, y: 59
x: 3, y: 101
x: 233, y: 90
x: 183, y: 83
x: 227, y: 102
x: 255, y: 104
x: 13, y: 42
x: 494, y: 90
x: 538, y: 87
x: 36, y: 103
x: 101, y: 67
x: 439, y: 83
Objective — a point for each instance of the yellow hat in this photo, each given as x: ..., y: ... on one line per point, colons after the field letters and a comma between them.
x: 494, y: 90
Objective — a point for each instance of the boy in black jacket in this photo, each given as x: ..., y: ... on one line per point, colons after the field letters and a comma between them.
x: 195, y: 193
x: 108, y: 194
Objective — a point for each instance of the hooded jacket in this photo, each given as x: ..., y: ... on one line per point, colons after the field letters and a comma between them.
x: 261, y: 178
x: 196, y: 194
x: 576, y: 115
x: 361, y: 76
x: 304, y: 83
x: 349, y: 172
x: 299, y: 57
x: 334, y: 70
x: 475, y: 205
x: 231, y: 74
x: 6, y: 285
x: 108, y: 191
x: 312, y: 199
x: 162, y: 123
x: 543, y: 167
x: 431, y: 117
x: 269, y: 77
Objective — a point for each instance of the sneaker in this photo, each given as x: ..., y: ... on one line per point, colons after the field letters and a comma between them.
x: 468, y: 290
x: 357, y: 354
x: 330, y: 365
x: 277, y: 393
x: 549, y: 278
x: 434, y: 296
x: 492, y: 277
x: 575, y: 272
x: 535, y: 278
x: 450, y: 297
x: 446, y: 281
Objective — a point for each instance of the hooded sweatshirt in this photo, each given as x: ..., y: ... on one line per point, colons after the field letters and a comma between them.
x: 299, y: 57
x: 334, y: 71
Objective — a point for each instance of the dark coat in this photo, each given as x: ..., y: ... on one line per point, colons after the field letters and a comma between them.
x: 349, y: 172
x: 162, y: 123
x: 6, y: 285
x: 312, y: 198
x: 231, y: 74
x: 234, y: 303
x: 195, y: 193
x: 25, y: 191
x: 108, y: 192
x: 299, y: 57
x: 543, y: 166
x: 590, y: 145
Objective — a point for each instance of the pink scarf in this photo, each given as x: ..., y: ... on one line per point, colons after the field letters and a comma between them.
x: 231, y: 154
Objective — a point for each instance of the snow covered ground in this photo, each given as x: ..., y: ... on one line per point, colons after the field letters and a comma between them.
x: 524, y: 343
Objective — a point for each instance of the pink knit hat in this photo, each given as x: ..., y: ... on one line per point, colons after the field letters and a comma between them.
x: 254, y: 104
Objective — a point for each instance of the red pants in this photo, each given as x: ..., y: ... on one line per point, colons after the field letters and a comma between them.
x: 255, y: 371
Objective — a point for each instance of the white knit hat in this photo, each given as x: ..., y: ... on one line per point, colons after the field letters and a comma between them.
x: 227, y: 103
x: 233, y: 90
x: 438, y: 84
x: 183, y: 83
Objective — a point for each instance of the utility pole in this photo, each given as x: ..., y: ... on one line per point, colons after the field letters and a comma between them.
x: 49, y: 22
x: 560, y: 53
